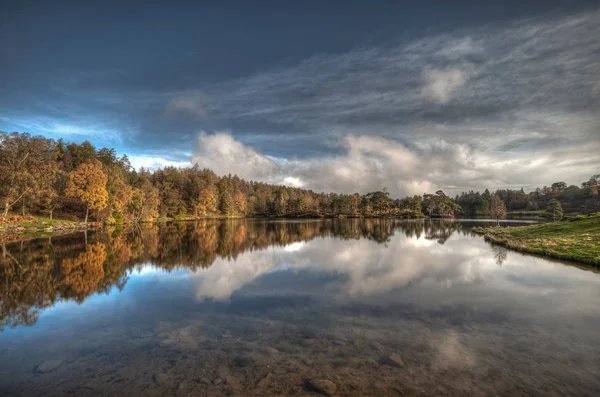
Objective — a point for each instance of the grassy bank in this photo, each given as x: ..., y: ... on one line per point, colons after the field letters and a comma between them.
x: 526, y: 214
x: 535, y: 214
x: 575, y: 240
x: 31, y: 227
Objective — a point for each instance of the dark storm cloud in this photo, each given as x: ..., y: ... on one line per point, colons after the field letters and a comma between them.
x: 497, y: 106
x: 548, y: 65
x: 505, y: 102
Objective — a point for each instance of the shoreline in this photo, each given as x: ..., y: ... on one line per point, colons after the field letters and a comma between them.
x: 576, y: 240
x: 537, y: 239
x: 43, y: 227
x: 12, y: 233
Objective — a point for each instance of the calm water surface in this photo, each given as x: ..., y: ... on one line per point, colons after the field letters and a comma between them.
x: 258, y: 308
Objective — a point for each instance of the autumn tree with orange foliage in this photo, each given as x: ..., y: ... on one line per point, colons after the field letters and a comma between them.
x: 83, y: 274
x: 208, y: 201
x: 120, y: 195
x: 26, y: 163
x: 144, y: 202
x: 88, y: 183
x: 239, y: 202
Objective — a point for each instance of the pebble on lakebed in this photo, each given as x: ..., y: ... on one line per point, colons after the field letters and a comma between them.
x: 323, y: 386
x: 48, y: 366
x: 394, y: 359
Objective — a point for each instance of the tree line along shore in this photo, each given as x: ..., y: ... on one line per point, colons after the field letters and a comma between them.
x: 42, y: 179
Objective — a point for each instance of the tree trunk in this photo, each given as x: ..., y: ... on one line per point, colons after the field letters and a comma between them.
x: 6, y: 206
x: 87, y: 210
x: 51, y: 211
x: 23, y: 207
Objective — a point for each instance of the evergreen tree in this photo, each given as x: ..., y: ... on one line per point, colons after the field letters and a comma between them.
x: 226, y: 203
x: 554, y: 210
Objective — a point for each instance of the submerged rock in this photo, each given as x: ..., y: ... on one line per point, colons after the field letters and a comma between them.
x: 204, y: 381
x: 376, y: 346
x: 323, y: 386
x: 242, y: 361
x: 161, y: 378
x: 48, y: 366
x: 394, y: 359
x: 269, y: 351
x: 306, y: 361
x: 265, y: 380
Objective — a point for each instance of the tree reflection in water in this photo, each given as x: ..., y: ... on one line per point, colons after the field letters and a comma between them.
x: 34, y: 275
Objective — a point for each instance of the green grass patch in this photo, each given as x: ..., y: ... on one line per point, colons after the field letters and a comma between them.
x: 576, y: 240
x: 37, y: 227
x: 43, y: 223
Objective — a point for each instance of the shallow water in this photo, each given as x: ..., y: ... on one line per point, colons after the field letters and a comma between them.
x: 258, y: 308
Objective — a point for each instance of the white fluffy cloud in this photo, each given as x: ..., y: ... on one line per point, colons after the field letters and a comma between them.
x: 224, y: 155
x: 371, y: 163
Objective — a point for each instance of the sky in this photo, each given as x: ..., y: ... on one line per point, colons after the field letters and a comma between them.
x: 331, y: 96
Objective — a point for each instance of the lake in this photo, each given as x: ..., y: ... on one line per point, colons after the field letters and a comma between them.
x: 261, y: 308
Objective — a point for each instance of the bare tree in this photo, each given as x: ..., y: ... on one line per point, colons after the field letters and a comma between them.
x: 497, y: 208
x: 25, y: 161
